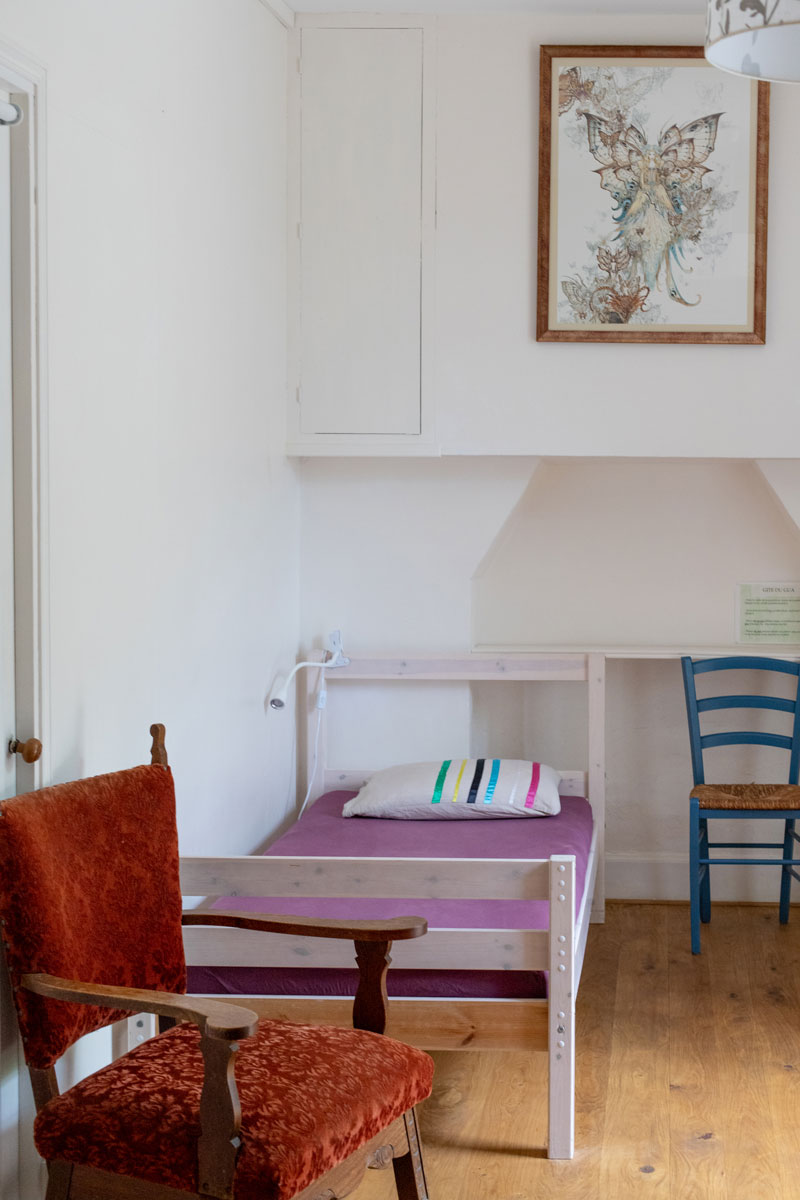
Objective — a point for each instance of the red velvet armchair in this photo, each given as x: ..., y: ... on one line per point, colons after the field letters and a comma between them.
x: 221, y: 1105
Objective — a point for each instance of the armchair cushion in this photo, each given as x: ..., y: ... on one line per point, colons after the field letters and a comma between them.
x: 310, y: 1096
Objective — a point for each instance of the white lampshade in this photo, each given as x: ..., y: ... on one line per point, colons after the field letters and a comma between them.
x: 760, y: 38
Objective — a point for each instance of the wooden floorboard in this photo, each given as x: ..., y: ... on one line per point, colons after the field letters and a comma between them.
x: 774, y: 987
x: 636, y: 1141
x: 688, y: 1074
x: 696, y: 1163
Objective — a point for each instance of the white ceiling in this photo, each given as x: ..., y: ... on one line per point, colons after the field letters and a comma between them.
x: 571, y: 8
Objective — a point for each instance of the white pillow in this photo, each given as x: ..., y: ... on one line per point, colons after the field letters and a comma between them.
x: 460, y: 788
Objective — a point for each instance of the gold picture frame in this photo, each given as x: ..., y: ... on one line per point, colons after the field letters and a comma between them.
x: 652, y: 198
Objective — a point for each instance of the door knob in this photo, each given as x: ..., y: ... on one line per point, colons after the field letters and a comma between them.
x: 29, y: 750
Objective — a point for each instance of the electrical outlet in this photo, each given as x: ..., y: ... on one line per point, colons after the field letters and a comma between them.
x: 140, y: 1029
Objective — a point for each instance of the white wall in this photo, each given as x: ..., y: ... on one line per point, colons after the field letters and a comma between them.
x: 444, y: 554
x: 393, y: 551
x: 497, y: 389
x: 174, y: 514
x: 389, y: 546
x: 603, y: 552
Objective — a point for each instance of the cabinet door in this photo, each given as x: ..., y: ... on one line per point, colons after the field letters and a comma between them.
x: 361, y: 231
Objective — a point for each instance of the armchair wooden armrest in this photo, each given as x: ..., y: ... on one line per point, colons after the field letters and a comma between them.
x: 393, y: 929
x: 221, y: 1027
x: 373, y: 941
x: 215, y: 1018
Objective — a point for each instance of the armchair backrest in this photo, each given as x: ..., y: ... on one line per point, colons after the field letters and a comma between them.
x: 89, y: 890
x: 695, y: 707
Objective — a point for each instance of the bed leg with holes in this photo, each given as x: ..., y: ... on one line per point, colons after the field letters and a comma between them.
x: 561, y: 1007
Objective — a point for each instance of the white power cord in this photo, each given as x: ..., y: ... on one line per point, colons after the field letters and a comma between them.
x: 280, y: 692
x: 322, y: 698
x: 336, y: 658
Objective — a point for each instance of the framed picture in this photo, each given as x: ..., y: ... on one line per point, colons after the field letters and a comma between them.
x: 652, y: 197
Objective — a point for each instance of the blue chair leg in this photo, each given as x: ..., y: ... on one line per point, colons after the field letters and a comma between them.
x: 694, y: 872
x: 786, y: 875
x: 705, y: 875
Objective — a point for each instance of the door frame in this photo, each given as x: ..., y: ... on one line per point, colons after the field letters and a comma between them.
x: 25, y: 80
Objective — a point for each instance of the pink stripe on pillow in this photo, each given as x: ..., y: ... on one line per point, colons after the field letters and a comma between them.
x: 533, y: 789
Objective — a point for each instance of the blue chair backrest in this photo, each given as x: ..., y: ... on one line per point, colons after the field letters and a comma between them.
x: 694, y: 707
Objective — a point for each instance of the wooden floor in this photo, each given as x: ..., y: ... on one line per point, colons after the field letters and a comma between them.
x: 688, y: 1075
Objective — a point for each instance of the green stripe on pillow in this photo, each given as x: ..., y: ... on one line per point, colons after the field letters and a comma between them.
x: 437, y: 791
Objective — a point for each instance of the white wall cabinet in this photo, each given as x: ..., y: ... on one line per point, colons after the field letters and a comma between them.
x: 362, y: 261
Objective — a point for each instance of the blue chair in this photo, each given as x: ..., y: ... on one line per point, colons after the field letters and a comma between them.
x: 740, y: 800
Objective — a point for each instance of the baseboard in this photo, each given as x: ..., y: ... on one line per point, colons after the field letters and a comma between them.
x: 666, y: 877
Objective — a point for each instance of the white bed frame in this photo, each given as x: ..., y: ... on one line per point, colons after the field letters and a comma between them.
x: 435, y: 1024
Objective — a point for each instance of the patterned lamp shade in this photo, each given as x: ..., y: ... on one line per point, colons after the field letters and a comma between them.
x: 760, y: 38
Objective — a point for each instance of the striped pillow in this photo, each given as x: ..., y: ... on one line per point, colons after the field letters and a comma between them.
x: 459, y: 787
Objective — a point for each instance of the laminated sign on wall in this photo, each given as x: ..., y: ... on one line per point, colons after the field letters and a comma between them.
x: 768, y: 612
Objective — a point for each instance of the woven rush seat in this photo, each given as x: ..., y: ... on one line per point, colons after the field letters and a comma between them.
x: 310, y: 1096
x: 747, y: 795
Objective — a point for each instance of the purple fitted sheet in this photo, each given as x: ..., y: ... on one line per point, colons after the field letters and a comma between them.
x: 324, y: 831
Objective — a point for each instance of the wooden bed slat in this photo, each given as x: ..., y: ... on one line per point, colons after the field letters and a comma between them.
x: 428, y: 1024
x: 440, y: 949
x: 449, y: 878
x: 573, y: 783
x: 516, y: 667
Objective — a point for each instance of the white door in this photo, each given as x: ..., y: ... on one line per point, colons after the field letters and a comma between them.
x: 22, y: 568
x: 8, y: 773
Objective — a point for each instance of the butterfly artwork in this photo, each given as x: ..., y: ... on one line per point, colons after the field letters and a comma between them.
x: 657, y: 191
x: 651, y: 202
x: 572, y: 89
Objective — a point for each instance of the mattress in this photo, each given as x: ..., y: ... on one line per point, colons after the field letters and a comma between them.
x: 324, y: 831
